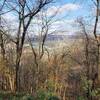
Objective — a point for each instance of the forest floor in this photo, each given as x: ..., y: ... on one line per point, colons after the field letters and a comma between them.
x: 15, y: 96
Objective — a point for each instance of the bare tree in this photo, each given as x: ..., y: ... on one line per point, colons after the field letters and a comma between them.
x: 44, y: 26
x: 25, y: 16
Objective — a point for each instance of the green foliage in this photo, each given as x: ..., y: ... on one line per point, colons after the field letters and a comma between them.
x: 51, y: 86
x: 86, y: 86
x: 80, y: 98
x: 53, y: 98
x: 43, y: 94
x: 28, y: 97
x: 98, y: 92
x: 16, y: 96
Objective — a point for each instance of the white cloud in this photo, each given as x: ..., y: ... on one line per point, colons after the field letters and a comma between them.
x: 64, y: 24
x: 10, y: 22
x: 69, y: 7
x: 64, y: 27
x: 9, y: 16
x: 62, y: 9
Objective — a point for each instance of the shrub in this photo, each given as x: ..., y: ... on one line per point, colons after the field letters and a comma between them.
x: 53, y: 98
x: 28, y: 97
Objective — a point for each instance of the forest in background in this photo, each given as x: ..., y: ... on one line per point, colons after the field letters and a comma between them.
x: 67, y: 70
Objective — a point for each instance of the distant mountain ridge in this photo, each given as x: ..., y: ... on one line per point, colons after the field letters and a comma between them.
x: 53, y: 37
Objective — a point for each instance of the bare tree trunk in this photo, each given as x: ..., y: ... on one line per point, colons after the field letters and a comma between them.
x: 2, y: 51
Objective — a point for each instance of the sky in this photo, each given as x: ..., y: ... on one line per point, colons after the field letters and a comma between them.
x: 67, y: 12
